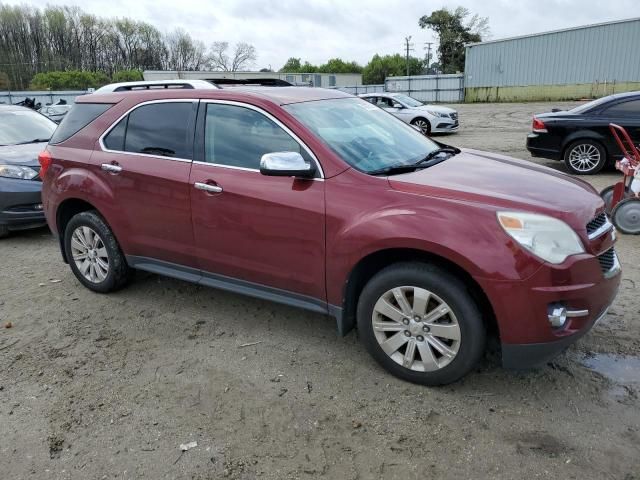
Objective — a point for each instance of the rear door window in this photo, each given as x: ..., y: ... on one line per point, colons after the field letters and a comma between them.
x: 624, y: 109
x: 80, y: 115
x: 161, y: 129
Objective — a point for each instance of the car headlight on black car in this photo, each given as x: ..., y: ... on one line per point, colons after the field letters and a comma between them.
x: 19, y: 172
x: 546, y: 237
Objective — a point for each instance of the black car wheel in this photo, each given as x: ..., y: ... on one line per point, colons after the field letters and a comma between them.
x: 585, y: 157
x: 4, y: 231
x: 626, y: 216
x: 421, y: 324
x: 94, y: 254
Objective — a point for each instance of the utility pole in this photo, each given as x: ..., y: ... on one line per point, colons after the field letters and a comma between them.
x: 408, y: 47
x: 428, y: 49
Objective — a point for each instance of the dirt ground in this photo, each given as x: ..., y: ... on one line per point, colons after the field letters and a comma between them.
x: 108, y: 386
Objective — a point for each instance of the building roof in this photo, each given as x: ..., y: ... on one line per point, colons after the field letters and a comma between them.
x: 581, y: 27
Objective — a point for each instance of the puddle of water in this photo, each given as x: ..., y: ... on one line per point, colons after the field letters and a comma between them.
x: 620, y: 369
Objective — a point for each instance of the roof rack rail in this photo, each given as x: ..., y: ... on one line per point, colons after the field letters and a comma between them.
x: 263, y: 82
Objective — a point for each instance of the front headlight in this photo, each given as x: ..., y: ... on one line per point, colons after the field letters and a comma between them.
x: 438, y: 114
x: 15, y: 171
x: 549, y: 238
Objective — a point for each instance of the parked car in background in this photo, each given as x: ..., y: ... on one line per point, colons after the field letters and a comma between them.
x: 55, y: 111
x: 319, y: 200
x: 23, y: 135
x: 581, y: 136
x: 428, y: 118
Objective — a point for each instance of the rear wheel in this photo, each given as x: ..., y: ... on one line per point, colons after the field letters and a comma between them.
x: 585, y: 157
x: 626, y: 216
x: 420, y: 324
x: 4, y: 231
x: 423, y: 124
x: 94, y: 254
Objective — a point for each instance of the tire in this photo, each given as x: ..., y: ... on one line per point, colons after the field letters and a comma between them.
x: 81, y: 247
x: 423, y: 124
x: 585, y: 157
x: 626, y: 216
x: 421, y: 337
x: 4, y: 231
x: 607, y: 196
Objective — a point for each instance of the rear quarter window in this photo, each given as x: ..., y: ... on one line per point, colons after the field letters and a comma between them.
x: 80, y: 115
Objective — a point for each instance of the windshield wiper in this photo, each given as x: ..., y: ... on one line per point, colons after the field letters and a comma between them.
x: 35, y: 140
x: 428, y: 161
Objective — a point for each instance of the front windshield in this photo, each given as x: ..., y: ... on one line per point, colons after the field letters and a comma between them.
x: 408, y: 101
x: 24, y: 126
x: 363, y: 135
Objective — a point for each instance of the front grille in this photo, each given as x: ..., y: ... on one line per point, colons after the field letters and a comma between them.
x: 596, y: 223
x: 607, y: 260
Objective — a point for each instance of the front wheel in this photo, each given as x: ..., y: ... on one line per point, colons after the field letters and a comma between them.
x: 607, y: 195
x: 94, y: 254
x: 423, y: 125
x: 421, y: 324
x: 585, y: 157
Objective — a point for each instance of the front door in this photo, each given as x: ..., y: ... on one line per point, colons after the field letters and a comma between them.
x: 627, y: 115
x: 145, y: 159
x: 267, y: 231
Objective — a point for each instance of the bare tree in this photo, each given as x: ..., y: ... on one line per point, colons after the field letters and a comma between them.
x: 242, y: 58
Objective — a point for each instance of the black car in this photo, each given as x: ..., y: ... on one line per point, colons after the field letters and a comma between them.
x: 581, y: 136
x: 23, y: 134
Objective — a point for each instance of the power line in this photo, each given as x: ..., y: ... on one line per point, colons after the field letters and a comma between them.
x: 409, y: 48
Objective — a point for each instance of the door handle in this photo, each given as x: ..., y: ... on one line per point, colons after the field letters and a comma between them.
x: 205, y: 187
x: 109, y: 167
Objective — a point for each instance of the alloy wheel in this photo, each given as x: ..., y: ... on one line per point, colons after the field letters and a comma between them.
x: 584, y: 157
x: 416, y: 328
x: 422, y: 125
x: 89, y: 254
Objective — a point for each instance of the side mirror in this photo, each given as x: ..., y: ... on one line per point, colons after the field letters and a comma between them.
x: 286, y: 164
x: 399, y: 106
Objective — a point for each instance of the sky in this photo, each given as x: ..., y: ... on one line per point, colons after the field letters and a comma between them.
x: 316, y: 30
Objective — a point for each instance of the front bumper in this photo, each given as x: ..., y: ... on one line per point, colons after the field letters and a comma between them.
x: 21, y: 204
x: 522, y: 308
x: 445, y: 125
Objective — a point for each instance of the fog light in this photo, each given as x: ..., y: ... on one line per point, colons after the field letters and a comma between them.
x: 557, y: 315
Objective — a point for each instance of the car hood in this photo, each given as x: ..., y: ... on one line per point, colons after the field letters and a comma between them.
x: 21, y: 154
x: 503, y: 182
x: 436, y: 108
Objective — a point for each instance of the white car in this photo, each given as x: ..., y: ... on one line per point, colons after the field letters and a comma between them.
x: 428, y: 118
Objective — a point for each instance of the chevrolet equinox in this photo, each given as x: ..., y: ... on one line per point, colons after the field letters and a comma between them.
x: 320, y: 200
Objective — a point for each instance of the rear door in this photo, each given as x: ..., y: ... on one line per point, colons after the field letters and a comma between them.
x: 625, y: 114
x: 268, y: 231
x: 145, y: 158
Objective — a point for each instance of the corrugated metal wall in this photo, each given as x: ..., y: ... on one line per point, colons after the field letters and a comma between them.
x: 428, y: 88
x: 599, y: 53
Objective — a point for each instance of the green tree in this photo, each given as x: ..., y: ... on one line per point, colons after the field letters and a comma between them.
x: 454, y: 29
x: 380, y: 68
x: 70, y: 80
x: 337, y: 65
x: 292, y: 65
x: 126, y: 76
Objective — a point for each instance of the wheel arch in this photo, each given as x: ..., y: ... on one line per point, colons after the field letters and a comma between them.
x: 584, y: 135
x: 374, y: 262
x: 67, y: 209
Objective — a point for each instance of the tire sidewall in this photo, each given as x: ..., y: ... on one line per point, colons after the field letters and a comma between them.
x: 451, y: 291
x: 117, y: 262
x: 413, y: 122
x: 598, y: 167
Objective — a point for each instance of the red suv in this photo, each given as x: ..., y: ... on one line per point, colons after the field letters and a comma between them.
x: 320, y: 200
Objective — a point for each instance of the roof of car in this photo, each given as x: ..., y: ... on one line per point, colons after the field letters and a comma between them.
x: 278, y: 95
x: 6, y: 107
x: 379, y: 94
x: 151, y: 84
